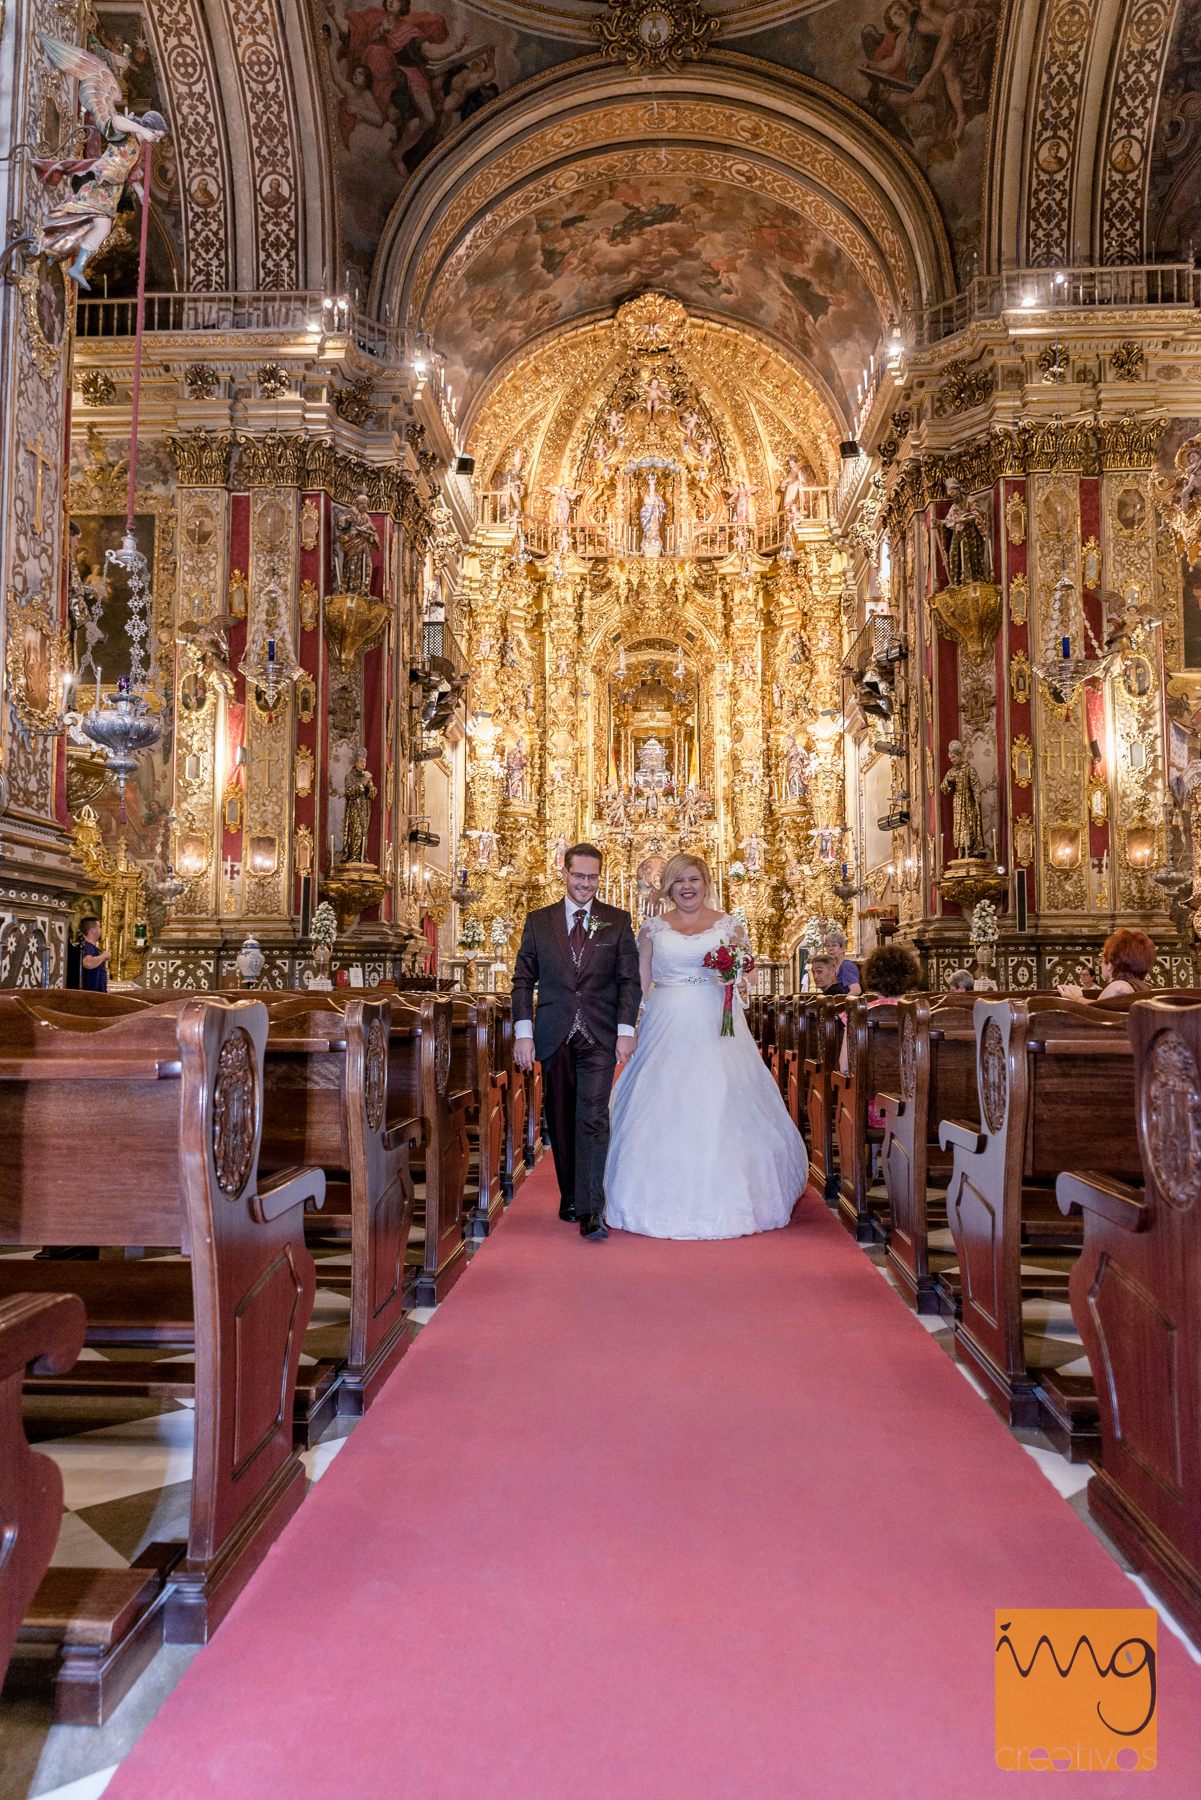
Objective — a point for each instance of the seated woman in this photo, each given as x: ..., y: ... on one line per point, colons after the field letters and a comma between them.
x: 888, y: 973
x: 1126, y: 958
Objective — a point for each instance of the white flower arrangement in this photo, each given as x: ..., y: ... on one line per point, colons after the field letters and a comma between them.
x: 499, y: 934
x: 984, y: 928
x: 323, y: 928
x: 737, y: 871
x: 471, y: 935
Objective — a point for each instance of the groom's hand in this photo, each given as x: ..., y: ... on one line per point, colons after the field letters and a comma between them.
x: 625, y: 1048
x: 523, y: 1052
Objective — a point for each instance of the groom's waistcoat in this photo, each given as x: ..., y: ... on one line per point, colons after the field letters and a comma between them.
x: 604, y: 989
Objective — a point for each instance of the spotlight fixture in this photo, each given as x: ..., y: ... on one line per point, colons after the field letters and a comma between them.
x: 849, y: 450
x: 465, y: 465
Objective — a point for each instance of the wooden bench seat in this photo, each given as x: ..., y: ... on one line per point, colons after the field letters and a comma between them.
x: 820, y: 1064
x: 1136, y: 1300
x: 872, y: 1065
x: 1037, y: 1070
x: 145, y: 1129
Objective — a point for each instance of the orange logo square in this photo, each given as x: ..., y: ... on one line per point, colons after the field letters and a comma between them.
x: 1076, y: 1690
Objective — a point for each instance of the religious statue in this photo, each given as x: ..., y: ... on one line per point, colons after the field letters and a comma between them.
x: 515, y: 762
x: 560, y: 852
x: 691, y: 423
x: 651, y: 515
x: 355, y: 537
x: 656, y: 395
x: 969, y: 556
x: 615, y: 420
x: 754, y: 847
x: 564, y: 497
x: 740, y: 496
x: 359, y: 792
x: 797, y: 773
x: 81, y: 223
x: 513, y: 487
x: 962, y: 781
x: 793, y: 487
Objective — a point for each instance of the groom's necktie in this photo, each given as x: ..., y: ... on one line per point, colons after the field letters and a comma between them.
x: 577, y: 937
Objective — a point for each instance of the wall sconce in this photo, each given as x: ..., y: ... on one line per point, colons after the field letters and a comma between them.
x: 1140, y: 846
x: 192, y: 856
x: 1063, y: 846
x: 263, y: 855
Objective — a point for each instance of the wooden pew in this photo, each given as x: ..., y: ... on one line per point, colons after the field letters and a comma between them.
x: 437, y: 1085
x: 872, y: 1065
x: 1037, y: 1071
x: 1136, y: 1300
x: 145, y: 1130
x: 820, y: 1065
x: 516, y: 1098
x: 325, y: 1095
x: 47, y: 1331
x: 488, y: 1116
x: 937, y: 1080
x: 536, y: 1141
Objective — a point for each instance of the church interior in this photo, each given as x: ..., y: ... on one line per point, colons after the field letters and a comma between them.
x: 767, y: 431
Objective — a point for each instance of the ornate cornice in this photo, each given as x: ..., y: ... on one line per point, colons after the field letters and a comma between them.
x: 312, y: 464
x: 201, y: 460
x: 1080, y: 447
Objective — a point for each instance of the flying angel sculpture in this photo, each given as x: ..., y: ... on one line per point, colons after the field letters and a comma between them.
x: 81, y: 223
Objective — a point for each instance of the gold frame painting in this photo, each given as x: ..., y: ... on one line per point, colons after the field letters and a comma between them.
x: 37, y: 660
x: 47, y: 306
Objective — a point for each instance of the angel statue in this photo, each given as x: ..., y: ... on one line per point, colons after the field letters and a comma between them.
x: 81, y: 223
x: 359, y: 792
x: 355, y: 539
x: 741, y: 498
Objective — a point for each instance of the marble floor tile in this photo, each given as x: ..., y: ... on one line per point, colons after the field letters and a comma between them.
x: 81, y: 1547
x: 129, y: 1524
x: 130, y: 1458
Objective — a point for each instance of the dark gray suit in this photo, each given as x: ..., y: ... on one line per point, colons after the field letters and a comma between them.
x: 604, y: 991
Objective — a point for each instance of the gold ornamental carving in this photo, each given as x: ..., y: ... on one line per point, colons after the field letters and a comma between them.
x: 37, y: 662
x: 201, y: 460
x: 353, y: 622
x: 651, y: 322
x: 352, y: 890
x: 1015, y: 518
x: 49, y: 302
x: 971, y: 616
x: 655, y: 34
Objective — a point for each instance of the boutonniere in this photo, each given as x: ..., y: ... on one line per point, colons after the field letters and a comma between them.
x: 595, y: 924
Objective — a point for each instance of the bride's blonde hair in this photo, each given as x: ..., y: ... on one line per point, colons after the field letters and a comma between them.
x: 681, y: 861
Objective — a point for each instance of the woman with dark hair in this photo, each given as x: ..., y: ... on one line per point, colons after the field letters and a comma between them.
x: 1126, y: 958
x: 890, y: 971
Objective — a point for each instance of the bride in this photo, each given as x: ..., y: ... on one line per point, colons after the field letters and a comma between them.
x: 702, y: 1145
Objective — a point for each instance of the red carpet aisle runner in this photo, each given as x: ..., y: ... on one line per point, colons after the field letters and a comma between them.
x: 639, y: 1520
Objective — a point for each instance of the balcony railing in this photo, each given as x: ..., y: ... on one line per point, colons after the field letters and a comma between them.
x: 301, y: 310
x: 544, y: 537
x: 1042, y: 290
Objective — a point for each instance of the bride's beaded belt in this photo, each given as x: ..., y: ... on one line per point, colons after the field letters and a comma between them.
x: 687, y: 981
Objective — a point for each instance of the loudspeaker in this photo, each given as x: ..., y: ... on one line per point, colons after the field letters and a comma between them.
x: 465, y: 465
x: 306, y: 902
x: 1021, y: 899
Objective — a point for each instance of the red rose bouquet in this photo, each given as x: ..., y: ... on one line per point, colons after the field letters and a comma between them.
x: 731, y: 961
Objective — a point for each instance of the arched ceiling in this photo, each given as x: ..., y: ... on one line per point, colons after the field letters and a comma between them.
x: 541, y: 409
x: 762, y: 201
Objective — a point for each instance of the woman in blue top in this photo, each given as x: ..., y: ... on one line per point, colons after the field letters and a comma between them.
x: 848, y: 972
x: 92, y: 959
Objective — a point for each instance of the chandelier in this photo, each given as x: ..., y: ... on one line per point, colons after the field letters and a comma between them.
x: 273, y: 668
x: 1064, y: 675
x: 123, y: 727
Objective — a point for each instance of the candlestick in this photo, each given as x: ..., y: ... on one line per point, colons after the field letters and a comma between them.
x: 994, y: 843
x: 270, y: 650
x: 1067, y: 648
x: 97, y: 706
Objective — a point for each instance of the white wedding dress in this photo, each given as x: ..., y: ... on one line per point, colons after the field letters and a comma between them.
x: 702, y: 1145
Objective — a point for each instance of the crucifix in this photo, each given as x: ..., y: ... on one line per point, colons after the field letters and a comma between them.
x: 264, y: 759
x: 44, y: 461
x: 1062, y: 743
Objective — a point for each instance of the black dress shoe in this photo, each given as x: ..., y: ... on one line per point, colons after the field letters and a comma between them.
x: 592, y: 1225
x: 568, y: 1213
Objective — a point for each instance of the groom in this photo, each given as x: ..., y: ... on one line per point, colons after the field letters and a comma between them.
x: 582, y: 957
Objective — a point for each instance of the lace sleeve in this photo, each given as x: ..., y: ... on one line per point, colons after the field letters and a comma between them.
x: 650, y: 931
x: 735, y: 930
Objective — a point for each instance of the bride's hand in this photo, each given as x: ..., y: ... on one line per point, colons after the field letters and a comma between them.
x: 742, y: 988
